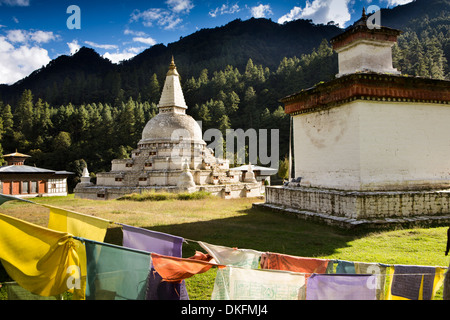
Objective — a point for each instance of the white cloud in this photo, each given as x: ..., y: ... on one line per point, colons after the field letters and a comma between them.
x: 18, y: 62
x: 180, y: 6
x: 320, y: 11
x: 17, y: 35
x: 101, y: 46
x: 394, y: 3
x: 21, y: 54
x: 34, y: 36
x: 20, y: 3
x: 147, y: 16
x: 134, y: 33
x: 73, y: 46
x: 163, y: 18
x: 43, y: 36
x: 140, y: 36
x: 149, y: 40
x: 261, y: 11
x: 116, y: 57
x: 136, y: 50
x: 167, y: 19
x: 224, y: 9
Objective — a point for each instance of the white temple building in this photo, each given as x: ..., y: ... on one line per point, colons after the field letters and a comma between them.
x: 371, y: 146
x: 171, y: 156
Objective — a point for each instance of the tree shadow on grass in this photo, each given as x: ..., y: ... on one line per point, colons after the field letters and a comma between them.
x: 257, y: 229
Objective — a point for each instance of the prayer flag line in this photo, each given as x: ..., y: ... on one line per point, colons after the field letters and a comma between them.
x: 214, y: 254
x: 184, y: 239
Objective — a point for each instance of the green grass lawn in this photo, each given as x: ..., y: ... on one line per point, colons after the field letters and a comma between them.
x: 235, y: 223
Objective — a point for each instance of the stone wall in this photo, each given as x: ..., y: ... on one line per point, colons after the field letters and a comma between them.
x: 362, y: 205
x: 229, y: 191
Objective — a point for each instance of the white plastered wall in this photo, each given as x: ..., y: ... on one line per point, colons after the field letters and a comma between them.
x: 362, y: 55
x: 404, y: 145
x: 367, y: 145
x: 326, y: 148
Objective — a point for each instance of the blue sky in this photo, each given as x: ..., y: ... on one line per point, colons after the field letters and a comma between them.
x: 33, y: 32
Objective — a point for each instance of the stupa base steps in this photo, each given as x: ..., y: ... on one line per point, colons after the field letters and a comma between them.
x: 226, y: 191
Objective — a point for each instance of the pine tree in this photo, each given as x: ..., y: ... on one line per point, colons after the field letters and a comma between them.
x: 7, y: 140
x: 43, y: 123
x: 223, y: 124
x: 7, y: 118
x: 283, y: 169
x: 139, y: 117
x: 203, y: 79
x: 204, y: 115
x: 436, y: 58
x: 125, y: 123
x: 232, y: 102
x: 249, y: 70
x: 249, y: 108
x: 79, y: 123
x: 62, y: 141
x: 23, y: 115
x: 154, y: 89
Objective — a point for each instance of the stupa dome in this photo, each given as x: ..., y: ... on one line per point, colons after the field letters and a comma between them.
x: 170, y: 126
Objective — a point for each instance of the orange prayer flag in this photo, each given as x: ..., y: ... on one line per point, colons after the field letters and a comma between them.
x: 173, y: 269
x: 276, y: 261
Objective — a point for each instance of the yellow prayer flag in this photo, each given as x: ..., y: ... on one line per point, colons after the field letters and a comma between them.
x: 77, y: 224
x: 421, y: 290
x: 43, y: 261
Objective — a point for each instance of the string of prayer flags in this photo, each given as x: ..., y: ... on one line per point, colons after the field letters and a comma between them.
x: 245, y: 258
x: 174, y: 269
x: 115, y: 273
x: 341, y: 287
x: 70, y: 255
x: 277, y: 261
x: 257, y: 284
x: 77, y: 224
x: 414, y: 282
x: 42, y: 261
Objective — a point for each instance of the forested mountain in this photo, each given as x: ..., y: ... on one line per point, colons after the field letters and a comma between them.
x: 82, y: 108
x: 86, y: 77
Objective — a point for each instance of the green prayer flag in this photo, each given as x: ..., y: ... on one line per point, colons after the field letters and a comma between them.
x: 4, y: 198
x: 115, y: 273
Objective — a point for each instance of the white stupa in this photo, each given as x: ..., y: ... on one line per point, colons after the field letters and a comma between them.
x: 172, y: 156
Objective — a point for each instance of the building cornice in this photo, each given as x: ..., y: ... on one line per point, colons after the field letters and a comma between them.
x: 368, y: 86
x: 362, y: 32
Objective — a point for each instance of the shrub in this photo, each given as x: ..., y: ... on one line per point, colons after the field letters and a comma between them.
x: 160, y: 196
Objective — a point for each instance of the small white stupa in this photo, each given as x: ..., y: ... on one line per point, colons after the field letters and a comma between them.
x: 85, y: 178
x: 250, y: 175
